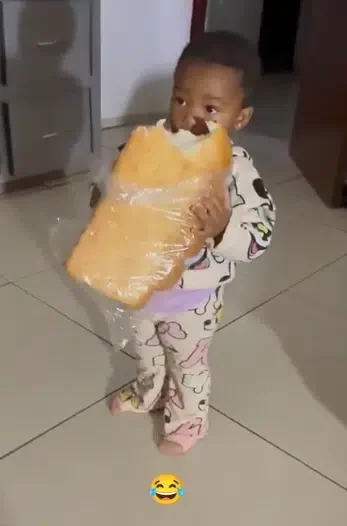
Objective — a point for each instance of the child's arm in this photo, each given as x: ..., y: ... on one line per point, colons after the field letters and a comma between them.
x: 249, y: 231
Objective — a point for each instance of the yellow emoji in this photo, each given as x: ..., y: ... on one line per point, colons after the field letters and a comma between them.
x: 166, y: 489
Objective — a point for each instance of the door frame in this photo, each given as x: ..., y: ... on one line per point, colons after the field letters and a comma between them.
x: 199, y: 16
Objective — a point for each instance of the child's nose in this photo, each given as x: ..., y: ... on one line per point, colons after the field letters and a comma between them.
x: 191, y: 120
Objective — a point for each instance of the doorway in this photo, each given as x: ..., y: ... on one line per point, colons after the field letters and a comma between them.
x: 278, y: 35
x: 198, y: 18
x: 267, y: 25
x: 298, y: 104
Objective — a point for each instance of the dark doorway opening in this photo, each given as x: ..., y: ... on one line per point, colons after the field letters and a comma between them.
x: 278, y: 32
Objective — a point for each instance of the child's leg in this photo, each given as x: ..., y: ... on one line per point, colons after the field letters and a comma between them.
x: 187, y: 339
x: 142, y: 395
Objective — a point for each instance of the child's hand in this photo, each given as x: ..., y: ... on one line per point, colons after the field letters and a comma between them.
x: 95, y: 195
x: 212, y: 215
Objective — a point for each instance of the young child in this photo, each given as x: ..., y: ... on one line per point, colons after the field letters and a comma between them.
x: 214, y: 80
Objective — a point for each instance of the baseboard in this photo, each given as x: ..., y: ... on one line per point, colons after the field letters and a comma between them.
x: 128, y: 120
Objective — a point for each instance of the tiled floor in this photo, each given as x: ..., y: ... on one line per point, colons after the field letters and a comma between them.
x: 277, y: 450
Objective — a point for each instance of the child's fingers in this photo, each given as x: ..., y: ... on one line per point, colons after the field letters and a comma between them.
x: 215, y: 206
x: 196, y: 221
x: 226, y: 200
x: 201, y: 213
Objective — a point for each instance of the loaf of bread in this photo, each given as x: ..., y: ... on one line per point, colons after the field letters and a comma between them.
x: 141, y: 233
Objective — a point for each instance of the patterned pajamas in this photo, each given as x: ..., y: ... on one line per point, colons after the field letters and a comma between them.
x: 172, y: 350
x: 172, y: 368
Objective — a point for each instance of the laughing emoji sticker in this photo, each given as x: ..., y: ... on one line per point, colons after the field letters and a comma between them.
x: 166, y: 489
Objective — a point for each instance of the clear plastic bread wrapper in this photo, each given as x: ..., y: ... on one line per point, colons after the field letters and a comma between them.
x: 142, y: 232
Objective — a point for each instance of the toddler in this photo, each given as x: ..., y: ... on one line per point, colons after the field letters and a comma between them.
x: 214, y: 80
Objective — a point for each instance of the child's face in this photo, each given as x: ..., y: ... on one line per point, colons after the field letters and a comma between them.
x: 208, y: 91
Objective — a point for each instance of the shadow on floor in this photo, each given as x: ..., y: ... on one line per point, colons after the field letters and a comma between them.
x: 314, y: 341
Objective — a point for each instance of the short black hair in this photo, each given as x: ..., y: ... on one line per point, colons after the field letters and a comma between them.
x: 227, y: 49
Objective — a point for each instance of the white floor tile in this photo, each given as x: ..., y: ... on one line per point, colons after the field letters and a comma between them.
x: 328, y: 289
x: 80, y: 304
x: 300, y: 247
x: 281, y: 371
x: 50, y: 368
x: 299, y: 197
x: 98, y: 470
x: 28, y: 220
x: 26, y: 223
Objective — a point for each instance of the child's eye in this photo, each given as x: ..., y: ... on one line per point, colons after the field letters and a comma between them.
x: 211, y: 110
x: 180, y: 101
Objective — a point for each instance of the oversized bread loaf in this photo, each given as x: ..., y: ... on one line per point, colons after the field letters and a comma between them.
x: 140, y: 234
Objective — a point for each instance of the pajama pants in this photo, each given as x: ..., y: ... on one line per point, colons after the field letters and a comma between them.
x: 172, y: 367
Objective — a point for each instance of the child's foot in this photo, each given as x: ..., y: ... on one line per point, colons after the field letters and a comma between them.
x: 116, y: 406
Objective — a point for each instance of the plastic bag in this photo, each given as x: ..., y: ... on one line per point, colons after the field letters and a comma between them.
x: 140, y: 235
x: 118, y: 321
x: 107, y: 318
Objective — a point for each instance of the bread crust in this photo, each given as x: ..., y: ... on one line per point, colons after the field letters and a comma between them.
x: 126, y: 251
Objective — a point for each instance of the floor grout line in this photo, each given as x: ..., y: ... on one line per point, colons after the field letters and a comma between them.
x: 61, y: 423
x: 104, y: 340
x: 244, y: 427
x: 221, y: 413
x: 265, y: 302
x: 17, y: 280
x: 285, y: 452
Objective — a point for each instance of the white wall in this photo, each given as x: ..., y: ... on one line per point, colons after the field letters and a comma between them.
x: 240, y: 16
x: 141, y: 41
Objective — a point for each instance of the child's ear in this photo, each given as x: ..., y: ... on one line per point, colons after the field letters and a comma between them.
x: 244, y: 117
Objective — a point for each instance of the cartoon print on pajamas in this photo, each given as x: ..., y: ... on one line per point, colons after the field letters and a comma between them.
x: 236, y: 198
x: 218, y: 258
x: 180, y: 284
x: 260, y: 235
x: 203, y: 262
x: 243, y: 152
x: 228, y: 276
x: 218, y: 309
x: 192, y: 428
x: 173, y: 396
x: 260, y: 189
x: 159, y: 360
x: 146, y: 382
x: 128, y: 394
x: 263, y: 230
x: 167, y: 415
x: 196, y: 382
x: 254, y: 247
x: 203, y: 404
x: 202, y: 309
x: 171, y: 328
x: 212, y: 324
x: 198, y: 356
